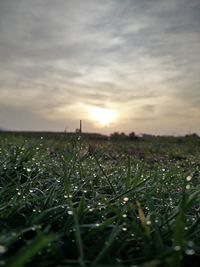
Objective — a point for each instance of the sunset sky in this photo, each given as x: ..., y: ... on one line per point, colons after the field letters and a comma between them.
x: 131, y: 65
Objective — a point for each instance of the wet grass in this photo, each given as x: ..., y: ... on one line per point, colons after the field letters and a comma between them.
x: 69, y: 202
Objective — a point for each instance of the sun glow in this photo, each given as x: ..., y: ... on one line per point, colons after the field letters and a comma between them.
x: 102, y: 116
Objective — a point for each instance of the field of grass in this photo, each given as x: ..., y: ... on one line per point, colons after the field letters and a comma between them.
x: 66, y: 201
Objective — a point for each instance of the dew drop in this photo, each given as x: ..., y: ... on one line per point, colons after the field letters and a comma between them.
x: 2, y: 249
x: 190, y: 243
x: 189, y: 178
x: 177, y: 248
x: 189, y: 252
x: 187, y: 186
x: 70, y: 212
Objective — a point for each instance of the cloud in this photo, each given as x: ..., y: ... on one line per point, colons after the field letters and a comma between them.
x: 58, y: 57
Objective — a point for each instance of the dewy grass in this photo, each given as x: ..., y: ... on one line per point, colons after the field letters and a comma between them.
x: 125, y: 204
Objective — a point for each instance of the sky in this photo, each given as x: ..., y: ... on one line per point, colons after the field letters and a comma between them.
x: 131, y: 65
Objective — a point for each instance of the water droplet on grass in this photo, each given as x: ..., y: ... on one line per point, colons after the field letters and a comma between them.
x: 70, y: 212
x: 189, y: 252
x: 187, y: 186
x: 189, y: 178
x: 177, y: 248
x: 190, y: 243
x: 2, y: 249
x: 67, y: 196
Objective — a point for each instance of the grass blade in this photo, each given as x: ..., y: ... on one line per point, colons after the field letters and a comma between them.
x: 25, y: 254
x: 116, y: 231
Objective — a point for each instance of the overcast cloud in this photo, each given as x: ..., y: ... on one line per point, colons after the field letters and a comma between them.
x: 137, y: 57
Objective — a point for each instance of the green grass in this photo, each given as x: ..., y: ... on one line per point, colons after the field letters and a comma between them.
x: 69, y: 202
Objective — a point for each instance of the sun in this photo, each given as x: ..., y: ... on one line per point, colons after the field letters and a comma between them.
x: 102, y: 116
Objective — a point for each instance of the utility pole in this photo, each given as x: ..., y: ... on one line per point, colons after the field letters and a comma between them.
x: 80, y: 127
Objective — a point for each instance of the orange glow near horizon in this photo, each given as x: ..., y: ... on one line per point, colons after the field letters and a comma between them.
x: 102, y: 116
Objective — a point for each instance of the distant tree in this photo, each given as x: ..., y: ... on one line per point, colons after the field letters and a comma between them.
x: 132, y: 135
x: 114, y: 136
x: 118, y: 136
x: 123, y: 136
x: 193, y: 135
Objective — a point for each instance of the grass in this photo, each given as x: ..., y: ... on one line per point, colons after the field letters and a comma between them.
x: 65, y: 202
